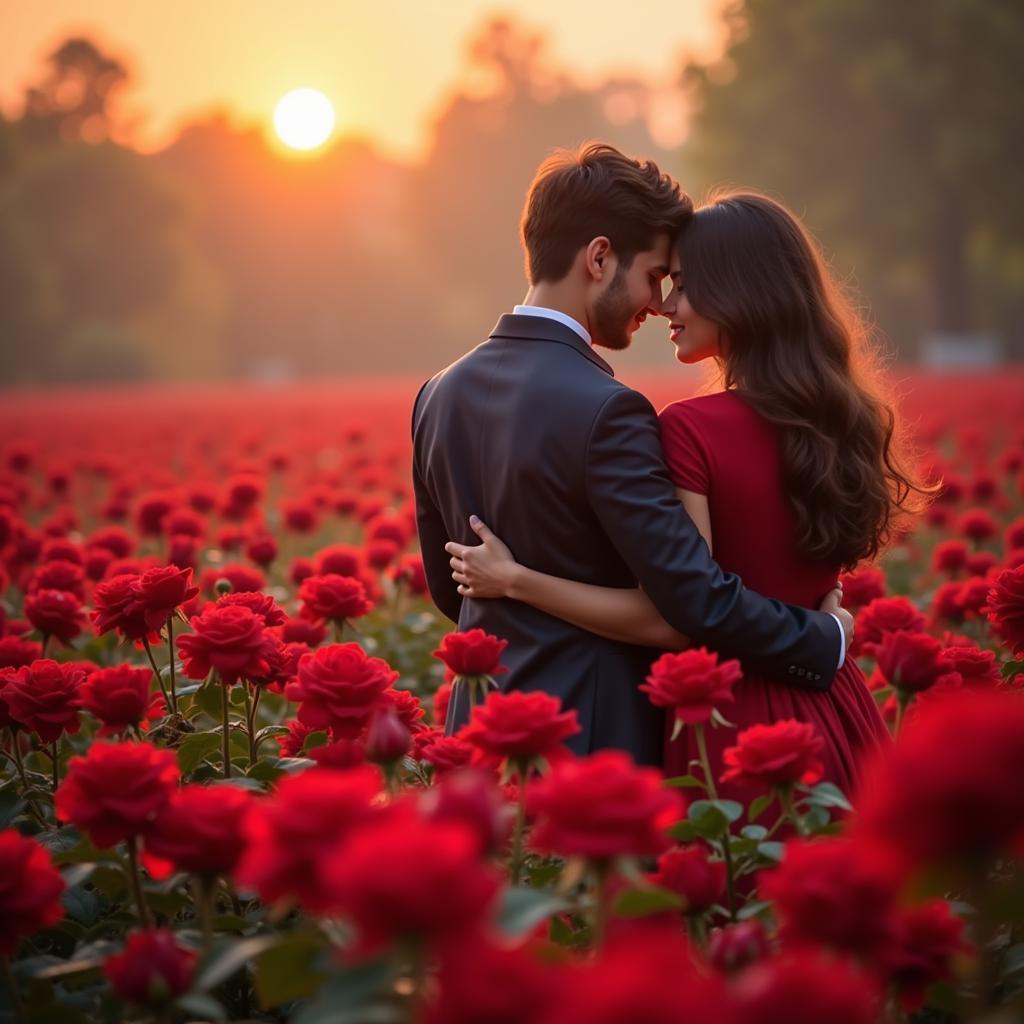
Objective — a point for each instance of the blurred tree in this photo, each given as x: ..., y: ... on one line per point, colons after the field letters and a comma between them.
x: 96, y: 246
x: 76, y: 98
x: 894, y: 128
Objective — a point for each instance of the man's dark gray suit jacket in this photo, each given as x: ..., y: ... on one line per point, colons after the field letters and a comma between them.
x: 531, y: 432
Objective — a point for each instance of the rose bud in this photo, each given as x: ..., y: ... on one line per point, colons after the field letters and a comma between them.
x: 734, y: 947
x: 151, y: 969
x: 387, y: 738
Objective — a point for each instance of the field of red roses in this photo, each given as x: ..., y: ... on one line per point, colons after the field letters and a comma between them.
x: 226, y: 792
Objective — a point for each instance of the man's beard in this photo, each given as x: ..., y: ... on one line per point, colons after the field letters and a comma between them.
x: 612, y: 314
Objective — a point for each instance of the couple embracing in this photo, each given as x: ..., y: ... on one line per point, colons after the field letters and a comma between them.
x: 603, y: 533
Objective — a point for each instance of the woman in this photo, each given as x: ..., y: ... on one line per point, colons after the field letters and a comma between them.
x: 791, y: 473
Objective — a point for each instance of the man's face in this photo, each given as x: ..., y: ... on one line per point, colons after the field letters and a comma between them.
x: 630, y: 295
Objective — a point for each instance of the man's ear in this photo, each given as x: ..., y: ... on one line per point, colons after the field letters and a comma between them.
x: 598, y: 257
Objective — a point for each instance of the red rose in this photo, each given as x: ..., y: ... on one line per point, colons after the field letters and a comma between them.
x: 30, y: 890
x: 338, y: 686
x: 806, y: 987
x: 116, y: 791
x: 862, y: 587
x: 344, y: 753
x: 55, y: 613
x: 686, y: 871
x: 335, y: 598
x: 45, y: 698
x: 779, y: 754
x: 692, y: 682
x: 339, y: 560
x: 117, y: 604
x: 162, y: 590
x: 291, y: 743
x: 926, y: 940
x: 471, y: 798
x: 950, y: 789
x: 439, y: 708
x: 910, y: 662
x: 263, y: 605
x: 15, y: 652
x: 649, y: 975
x: 59, y: 575
x: 603, y: 806
x: 974, y: 597
x: 118, y: 696
x: 408, y: 708
x: 200, y: 829
x: 977, y: 524
x: 291, y: 833
x: 835, y: 892
x: 152, y: 969
x: 303, y: 631
x: 410, y: 572
x: 473, y: 653
x: 975, y: 666
x: 981, y: 563
x: 381, y: 553
x: 387, y: 738
x: 507, y: 985
x: 1006, y: 608
x: 445, y: 753
x: 1014, y: 535
x: 737, y: 945
x: 885, y: 615
x: 946, y: 604
x: 520, y: 726
x: 950, y: 556
x: 262, y: 549
x: 230, y: 640
x: 406, y: 878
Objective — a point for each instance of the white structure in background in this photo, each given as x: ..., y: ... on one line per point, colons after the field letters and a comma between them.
x: 960, y: 352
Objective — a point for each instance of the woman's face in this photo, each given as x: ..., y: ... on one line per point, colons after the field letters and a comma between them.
x: 694, y: 336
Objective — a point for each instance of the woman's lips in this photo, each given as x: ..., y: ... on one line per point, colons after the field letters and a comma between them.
x: 677, y: 329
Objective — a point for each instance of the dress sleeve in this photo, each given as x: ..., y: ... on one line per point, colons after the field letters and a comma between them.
x: 685, y: 448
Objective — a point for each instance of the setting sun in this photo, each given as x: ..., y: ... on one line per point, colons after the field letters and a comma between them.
x: 304, y: 119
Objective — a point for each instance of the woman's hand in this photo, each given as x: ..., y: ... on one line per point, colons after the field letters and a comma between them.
x: 487, y: 570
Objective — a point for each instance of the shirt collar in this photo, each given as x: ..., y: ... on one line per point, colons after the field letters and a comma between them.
x: 555, y: 314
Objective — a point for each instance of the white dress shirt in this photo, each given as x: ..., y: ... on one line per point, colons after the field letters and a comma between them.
x: 564, y: 318
x: 555, y: 314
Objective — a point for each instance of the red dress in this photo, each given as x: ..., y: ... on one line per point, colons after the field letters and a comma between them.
x: 718, y: 446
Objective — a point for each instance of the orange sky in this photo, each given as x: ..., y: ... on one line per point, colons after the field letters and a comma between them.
x: 385, y: 64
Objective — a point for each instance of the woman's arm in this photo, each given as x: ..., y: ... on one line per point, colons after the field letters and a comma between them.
x: 628, y: 616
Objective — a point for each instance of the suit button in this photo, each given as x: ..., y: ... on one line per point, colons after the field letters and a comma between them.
x: 792, y: 669
x: 801, y: 671
x: 818, y: 676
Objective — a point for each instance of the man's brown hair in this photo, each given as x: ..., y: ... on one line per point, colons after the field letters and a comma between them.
x: 596, y: 190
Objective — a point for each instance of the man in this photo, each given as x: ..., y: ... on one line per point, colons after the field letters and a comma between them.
x: 531, y: 432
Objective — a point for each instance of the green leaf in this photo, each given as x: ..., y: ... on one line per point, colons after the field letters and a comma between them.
x: 711, y: 818
x: 228, y: 956
x: 81, y: 904
x: 208, y: 699
x: 771, y: 850
x: 314, y: 740
x: 757, y: 832
x: 684, y: 831
x: 1011, y: 668
x: 758, y: 807
x: 195, y: 748
x: 644, y: 902
x: 684, y: 782
x: 523, y: 909
x: 752, y: 909
x: 344, y: 997
x: 11, y: 805
x: 293, y: 969
x: 264, y: 771
x: 294, y: 764
x: 718, y: 720
x: 827, y: 794
x: 64, y: 840
x: 205, y: 1007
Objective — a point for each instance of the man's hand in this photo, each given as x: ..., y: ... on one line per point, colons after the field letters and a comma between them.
x: 833, y: 605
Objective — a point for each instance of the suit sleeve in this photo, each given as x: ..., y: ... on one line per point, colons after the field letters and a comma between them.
x: 631, y: 492
x: 433, y: 536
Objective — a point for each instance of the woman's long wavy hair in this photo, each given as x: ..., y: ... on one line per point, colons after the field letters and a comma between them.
x: 796, y: 351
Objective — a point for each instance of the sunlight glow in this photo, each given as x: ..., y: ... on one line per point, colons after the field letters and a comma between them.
x: 304, y: 119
